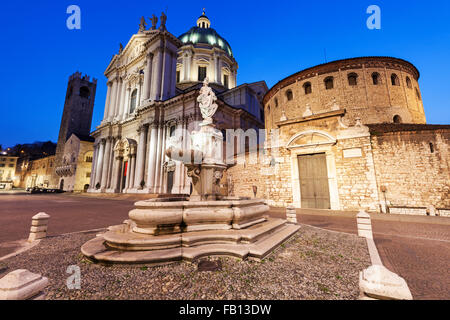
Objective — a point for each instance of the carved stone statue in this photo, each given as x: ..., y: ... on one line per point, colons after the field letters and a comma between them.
x: 142, y: 25
x: 154, y: 21
x: 163, y: 21
x: 120, y: 48
x: 206, y: 100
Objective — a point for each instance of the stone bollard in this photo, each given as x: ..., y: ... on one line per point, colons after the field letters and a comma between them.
x: 431, y: 211
x: 364, y: 225
x: 291, y: 214
x: 378, y: 283
x: 38, y: 226
x: 22, y: 285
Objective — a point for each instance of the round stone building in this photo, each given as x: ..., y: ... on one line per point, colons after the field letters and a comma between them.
x: 374, y: 89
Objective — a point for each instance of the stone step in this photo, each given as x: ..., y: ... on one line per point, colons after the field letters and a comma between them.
x: 261, y: 249
x: 239, y: 251
x: 265, y: 230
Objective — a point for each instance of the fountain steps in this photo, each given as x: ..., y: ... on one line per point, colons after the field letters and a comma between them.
x: 255, y: 242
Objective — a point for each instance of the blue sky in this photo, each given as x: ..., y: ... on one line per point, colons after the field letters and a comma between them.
x: 270, y: 40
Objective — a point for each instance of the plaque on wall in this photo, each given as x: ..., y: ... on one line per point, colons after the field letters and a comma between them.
x: 353, y: 153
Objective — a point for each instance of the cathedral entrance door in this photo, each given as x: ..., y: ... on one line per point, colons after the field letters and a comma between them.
x: 124, y: 176
x: 314, y: 188
x: 61, y: 184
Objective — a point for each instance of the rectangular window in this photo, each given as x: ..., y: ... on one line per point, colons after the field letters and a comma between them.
x: 201, y: 73
x: 225, y: 80
x: 178, y: 76
x: 88, y: 174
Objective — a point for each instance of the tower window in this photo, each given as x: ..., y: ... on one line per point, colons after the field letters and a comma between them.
x: 276, y: 103
x: 352, y: 79
x: 308, y: 88
x: 84, y: 92
x: 431, y: 147
x: 133, y: 101
x: 408, y: 82
x: 201, y: 73
x: 225, y: 80
x: 394, y: 80
x: 375, y: 78
x: 289, y: 95
x: 178, y: 76
x: 397, y: 119
x: 329, y: 83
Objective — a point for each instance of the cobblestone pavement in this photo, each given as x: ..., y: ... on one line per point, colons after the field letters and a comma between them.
x: 69, y: 213
x: 419, y: 252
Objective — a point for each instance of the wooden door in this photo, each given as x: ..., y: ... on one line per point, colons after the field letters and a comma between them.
x: 314, y: 187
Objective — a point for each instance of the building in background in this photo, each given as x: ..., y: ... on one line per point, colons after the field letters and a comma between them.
x: 69, y: 169
x: 7, y: 171
x: 351, y: 134
x: 75, y: 169
x: 153, y: 84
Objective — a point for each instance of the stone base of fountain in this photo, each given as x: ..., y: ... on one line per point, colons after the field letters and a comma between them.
x: 163, y: 231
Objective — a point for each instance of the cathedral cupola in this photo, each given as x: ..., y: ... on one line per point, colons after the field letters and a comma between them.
x: 203, y: 22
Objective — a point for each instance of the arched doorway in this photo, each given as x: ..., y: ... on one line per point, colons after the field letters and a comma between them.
x: 61, y: 184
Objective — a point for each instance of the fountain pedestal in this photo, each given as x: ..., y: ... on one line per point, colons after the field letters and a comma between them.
x: 172, y: 229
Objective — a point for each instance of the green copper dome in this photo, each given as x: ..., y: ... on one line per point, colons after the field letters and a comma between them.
x: 205, y: 35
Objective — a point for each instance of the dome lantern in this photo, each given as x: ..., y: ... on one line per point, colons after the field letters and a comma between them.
x: 203, y: 22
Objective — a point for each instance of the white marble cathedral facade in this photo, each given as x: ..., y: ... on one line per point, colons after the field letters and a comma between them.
x: 153, y: 83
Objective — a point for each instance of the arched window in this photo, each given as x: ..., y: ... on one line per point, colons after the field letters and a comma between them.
x: 289, y: 95
x: 352, y: 79
x: 376, y: 78
x: 418, y: 94
x: 397, y: 119
x: 329, y: 83
x: 268, y: 109
x: 308, y: 88
x: 133, y: 101
x: 431, y: 147
x: 172, y: 131
x: 408, y: 82
x: 276, y: 103
x: 394, y: 80
x: 84, y: 92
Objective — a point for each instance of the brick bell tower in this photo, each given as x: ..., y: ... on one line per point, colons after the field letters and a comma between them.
x: 77, y: 114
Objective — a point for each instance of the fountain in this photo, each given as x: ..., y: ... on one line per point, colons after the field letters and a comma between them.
x: 203, y: 224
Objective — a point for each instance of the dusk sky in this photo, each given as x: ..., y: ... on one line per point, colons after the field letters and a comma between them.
x: 270, y: 40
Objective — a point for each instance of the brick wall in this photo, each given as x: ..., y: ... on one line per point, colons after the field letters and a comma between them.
x: 412, y: 174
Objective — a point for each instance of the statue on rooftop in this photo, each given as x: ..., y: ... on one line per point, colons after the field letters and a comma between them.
x: 163, y: 21
x: 142, y: 25
x: 154, y: 21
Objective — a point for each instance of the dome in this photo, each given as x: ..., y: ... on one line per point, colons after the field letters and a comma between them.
x: 204, y: 34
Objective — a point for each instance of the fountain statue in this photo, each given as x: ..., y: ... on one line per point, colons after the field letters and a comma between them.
x: 205, y: 223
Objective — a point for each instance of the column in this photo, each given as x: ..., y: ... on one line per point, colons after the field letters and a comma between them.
x: 163, y: 158
x: 122, y: 100
x: 113, y: 101
x: 127, y: 178
x: 116, y: 173
x: 108, y: 100
x: 99, y: 170
x: 126, y: 103
x: 152, y: 157
x: 93, y: 167
x: 158, y: 162
x: 132, y: 172
x: 118, y: 91
x: 173, y: 85
x: 219, y: 71
x: 156, y: 83
x: 143, y: 131
x: 148, y: 76
x: 110, y: 164
x: 106, y: 163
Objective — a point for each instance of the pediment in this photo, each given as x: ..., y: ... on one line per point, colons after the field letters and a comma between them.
x: 310, y: 138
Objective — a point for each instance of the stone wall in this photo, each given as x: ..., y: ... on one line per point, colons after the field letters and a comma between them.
x: 413, y: 175
x: 355, y: 174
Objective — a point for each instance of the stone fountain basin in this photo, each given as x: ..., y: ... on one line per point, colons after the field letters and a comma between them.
x: 168, y: 216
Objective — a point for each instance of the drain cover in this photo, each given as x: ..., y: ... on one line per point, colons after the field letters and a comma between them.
x: 208, y: 265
